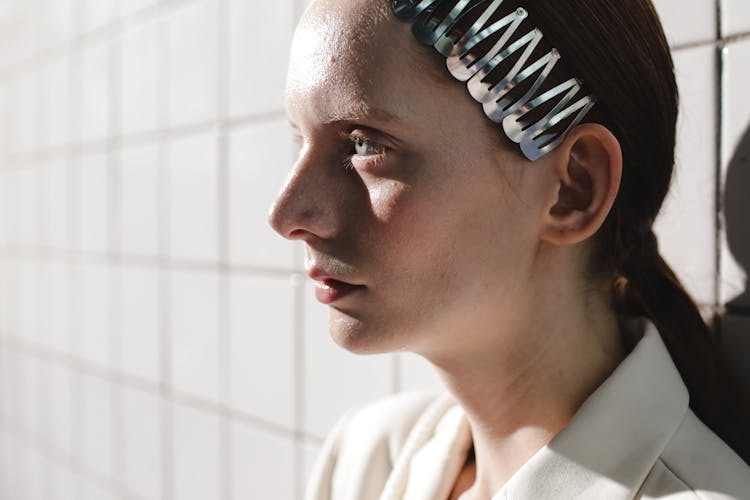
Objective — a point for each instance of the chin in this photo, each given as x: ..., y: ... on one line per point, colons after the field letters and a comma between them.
x: 360, y: 337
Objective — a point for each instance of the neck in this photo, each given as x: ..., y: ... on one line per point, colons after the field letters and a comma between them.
x: 519, y: 392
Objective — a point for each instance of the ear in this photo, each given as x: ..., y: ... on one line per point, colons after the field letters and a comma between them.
x: 588, y: 169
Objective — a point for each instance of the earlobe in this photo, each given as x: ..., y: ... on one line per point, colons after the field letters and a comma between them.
x: 588, y: 166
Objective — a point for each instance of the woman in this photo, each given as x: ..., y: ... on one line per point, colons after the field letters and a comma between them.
x: 528, y: 276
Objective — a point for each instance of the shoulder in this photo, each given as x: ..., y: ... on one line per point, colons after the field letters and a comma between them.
x: 359, y: 453
x: 698, y: 463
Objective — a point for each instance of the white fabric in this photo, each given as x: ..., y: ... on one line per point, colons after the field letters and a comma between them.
x: 635, y: 437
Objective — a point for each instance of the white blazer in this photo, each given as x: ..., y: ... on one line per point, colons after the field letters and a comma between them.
x: 634, y: 437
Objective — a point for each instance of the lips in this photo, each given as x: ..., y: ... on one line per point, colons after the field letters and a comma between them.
x: 329, y: 290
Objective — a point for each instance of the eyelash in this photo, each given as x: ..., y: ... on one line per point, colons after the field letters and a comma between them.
x: 351, y: 139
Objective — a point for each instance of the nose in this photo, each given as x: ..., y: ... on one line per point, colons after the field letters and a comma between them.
x: 309, y: 205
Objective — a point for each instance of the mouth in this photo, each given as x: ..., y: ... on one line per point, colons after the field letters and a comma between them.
x: 329, y: 291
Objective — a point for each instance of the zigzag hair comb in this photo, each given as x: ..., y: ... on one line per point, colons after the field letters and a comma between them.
x: 467, y: 63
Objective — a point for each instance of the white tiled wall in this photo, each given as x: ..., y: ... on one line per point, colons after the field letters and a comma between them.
x: 157, y: 339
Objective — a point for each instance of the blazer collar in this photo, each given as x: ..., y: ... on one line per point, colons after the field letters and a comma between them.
x: 613, y: 441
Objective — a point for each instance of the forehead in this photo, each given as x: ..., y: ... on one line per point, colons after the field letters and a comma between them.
x: 351, y: 58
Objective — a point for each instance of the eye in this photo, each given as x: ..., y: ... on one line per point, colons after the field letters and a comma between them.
x: 364, y: 147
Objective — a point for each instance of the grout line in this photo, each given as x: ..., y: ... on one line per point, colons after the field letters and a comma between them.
x: 114, y: 231
x: 166, y: 416
x: 27, y: 159
x: 51, y: 452
x: 300, y: 386
x: 718, y: 138
x: 97, y: 35
x: 82, y: 367
x: 225, y: 428
x: 81, y: 257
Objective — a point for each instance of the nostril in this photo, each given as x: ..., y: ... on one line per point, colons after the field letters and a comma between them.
x: 298, y: 234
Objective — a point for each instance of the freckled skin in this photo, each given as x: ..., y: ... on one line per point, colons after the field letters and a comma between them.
x: 439, y: 232
x: 469, y: 255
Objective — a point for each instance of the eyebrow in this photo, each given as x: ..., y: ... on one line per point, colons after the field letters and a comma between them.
x: 357, y: 114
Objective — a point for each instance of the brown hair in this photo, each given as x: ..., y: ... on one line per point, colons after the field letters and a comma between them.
x: 620, y: 50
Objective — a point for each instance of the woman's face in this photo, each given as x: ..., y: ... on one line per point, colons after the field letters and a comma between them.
x: 414, y: 213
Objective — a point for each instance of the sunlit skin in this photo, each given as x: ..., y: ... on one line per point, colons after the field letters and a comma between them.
x: 465, y: 252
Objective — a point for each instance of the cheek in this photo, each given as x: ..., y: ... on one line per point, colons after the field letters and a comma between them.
x: 388, y: 199
x: 458, y: 236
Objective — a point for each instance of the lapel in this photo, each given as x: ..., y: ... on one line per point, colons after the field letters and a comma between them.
x: 615, y: 438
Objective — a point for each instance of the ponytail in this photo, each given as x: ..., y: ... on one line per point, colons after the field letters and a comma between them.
x: 646, y: 286
x: 620, y: 50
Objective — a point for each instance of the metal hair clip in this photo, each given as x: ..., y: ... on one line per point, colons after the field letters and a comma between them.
x: 467, y: 65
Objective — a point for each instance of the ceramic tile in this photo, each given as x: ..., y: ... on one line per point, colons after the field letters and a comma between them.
x: 130, y: 7
x: 45, y: 476
x: 735, y: 256
x: 43, y: 427
x: 139, y: 78
x: 686, y: 226
x: 55, y: 101
x: 95, y: 96
x: 193, y: 59
x: 13, y: 206
x: 698, y: 26
x: 258, y: 44
x: 417, y: 374
x: 6, y: 376
x: 310, y: 453
x: 196, y: 454
x: 5, y: 463
x: 142, y: 444
x: 78, y: 414
x: 24, y: 413
x: 7, y: 290
x: 31, y: 206
x: 54, y: 178
x: 54, y: 22
x: 17, y: 471
x: 92, y: 299
x: 5, y: 205
x: 194, y: 333
x: 11, y: 318
x: 261, y: 341
x: 21, y: 32
x: 262, y: 464
x: 29, y: 294
x: 260, y: 158
x: 6, y: 477
x: 92, y: 200
x: 97, y: 425
x: 139, y: 173
x: 54, y: 306
x: 735, y: 17
x: 28, y: 482
x: 336, y: 380
x: 6, y: 120
x: 26, y: 113
x: 98, y: 13
x: 63, y: 482
x: 26, y: 224
x: 193, y: 198
x: 59, y: 396
x: 139, y: 323
x: 97, y: 491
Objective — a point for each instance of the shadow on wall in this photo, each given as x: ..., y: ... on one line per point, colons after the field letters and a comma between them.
x: 736, y: 212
